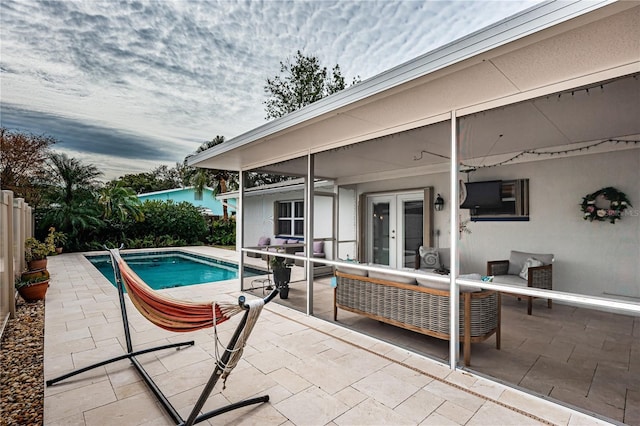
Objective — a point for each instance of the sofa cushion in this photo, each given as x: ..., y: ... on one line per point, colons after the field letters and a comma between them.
x: 318, y: 247
x: 509, y: 279
x: 352, y: 271
x: 518, y: 258
x: 292, y: 241
x: 279, y: 241
x: 389, y: 276
x: 529, y: 263
x: 429, y: 257
x: 264, y: 241
x: 473, y: 277
x: 427, y: 281
x: 320, y: 255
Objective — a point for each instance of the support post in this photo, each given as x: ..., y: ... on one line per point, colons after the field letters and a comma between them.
x: 240, y: 227
x: 308, y: 232
x: 454, y: 302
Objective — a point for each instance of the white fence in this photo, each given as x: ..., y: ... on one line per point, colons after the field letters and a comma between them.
x: 16, y: 225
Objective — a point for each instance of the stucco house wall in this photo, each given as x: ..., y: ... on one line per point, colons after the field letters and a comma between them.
x: 188, y: 194
x: 594, y: 258
x: 259, y: 216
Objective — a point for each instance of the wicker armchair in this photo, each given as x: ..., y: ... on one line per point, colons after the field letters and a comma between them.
x: 509, y: 272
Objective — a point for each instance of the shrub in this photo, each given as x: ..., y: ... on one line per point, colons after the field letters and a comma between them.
x: 223, y: 233
x: 181, y: 222
x: 37, y: 250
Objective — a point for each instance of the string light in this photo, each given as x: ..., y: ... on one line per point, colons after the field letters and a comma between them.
x: 530, y: 152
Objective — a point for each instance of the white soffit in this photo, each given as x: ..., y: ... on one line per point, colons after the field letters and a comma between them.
x: 613, y: 41
x: 574, y: 117
x: 551, y: 58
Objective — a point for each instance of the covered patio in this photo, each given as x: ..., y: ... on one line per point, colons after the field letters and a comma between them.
x: 575, y: 356
x: 549, y: 96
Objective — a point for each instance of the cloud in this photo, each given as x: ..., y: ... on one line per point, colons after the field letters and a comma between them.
x: 74, y: 135
x: 162, y: 77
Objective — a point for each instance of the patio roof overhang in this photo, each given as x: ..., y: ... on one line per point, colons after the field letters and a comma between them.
x: 518, y: 84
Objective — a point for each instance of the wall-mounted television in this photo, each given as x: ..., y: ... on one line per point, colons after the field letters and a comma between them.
x: 482, y: 195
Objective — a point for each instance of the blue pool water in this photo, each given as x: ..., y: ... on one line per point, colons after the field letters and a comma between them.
x: 172, y: 268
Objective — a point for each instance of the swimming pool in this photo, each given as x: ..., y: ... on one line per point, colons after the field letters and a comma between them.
x: 167, y: 269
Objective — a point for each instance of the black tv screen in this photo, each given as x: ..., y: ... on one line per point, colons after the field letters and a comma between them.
x: 482, y: 195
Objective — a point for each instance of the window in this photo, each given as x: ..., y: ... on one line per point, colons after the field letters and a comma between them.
x: 290, y: 218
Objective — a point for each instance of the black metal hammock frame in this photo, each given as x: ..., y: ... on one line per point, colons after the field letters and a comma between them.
x: 223, y: 364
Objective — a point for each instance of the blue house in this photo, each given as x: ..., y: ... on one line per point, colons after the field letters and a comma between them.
x: 206, y: 200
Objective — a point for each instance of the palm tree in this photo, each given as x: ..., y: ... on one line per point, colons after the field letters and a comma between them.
x: 71, y: 177
x: 120, y: 203
x: 72, y: 202
x: 79, y: 219
x: 218, y: 180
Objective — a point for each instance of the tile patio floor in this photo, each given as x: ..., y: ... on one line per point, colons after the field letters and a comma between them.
x: 316, y: 372
x: 584, y: 358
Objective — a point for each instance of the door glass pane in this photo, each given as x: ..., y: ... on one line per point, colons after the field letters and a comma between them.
x: 381, y: 226
x: 413, y: 229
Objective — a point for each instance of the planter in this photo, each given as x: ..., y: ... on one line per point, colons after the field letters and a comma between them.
x: 35, y: 275
x: 58, y: 250
x: 284, y: 291
x: 282, y: 277
x: 34, y: 292
x: 34, y: 265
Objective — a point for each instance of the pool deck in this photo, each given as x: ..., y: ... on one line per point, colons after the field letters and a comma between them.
x: 315, y: 372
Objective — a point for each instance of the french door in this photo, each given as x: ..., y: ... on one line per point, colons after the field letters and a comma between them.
x: 395, y: 226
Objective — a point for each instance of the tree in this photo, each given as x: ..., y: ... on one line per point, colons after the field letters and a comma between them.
x: 73, y: 206
x: 23, y: 156
x: 120, y: 203
x: 219, y: 180
x: 158, y: 179
x: 169, y: 177
x: 302, y: 82
x: 70, y: 177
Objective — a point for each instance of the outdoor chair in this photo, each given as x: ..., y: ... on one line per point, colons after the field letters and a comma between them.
x: 318, y: 251
x: 526, y: 270
x: 262, y: 242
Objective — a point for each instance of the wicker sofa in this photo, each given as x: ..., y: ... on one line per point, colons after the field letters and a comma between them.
x: 422, y: 308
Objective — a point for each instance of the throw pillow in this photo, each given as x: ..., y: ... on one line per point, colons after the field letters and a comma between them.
x: 530, y: 262
x: 430, y: 257
x: 318, y: 247
x: 517, y: 259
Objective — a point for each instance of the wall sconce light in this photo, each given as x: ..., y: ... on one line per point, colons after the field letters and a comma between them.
x: 439, y: 203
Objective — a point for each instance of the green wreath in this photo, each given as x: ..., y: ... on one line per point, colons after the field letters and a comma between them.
x: 594, y: 208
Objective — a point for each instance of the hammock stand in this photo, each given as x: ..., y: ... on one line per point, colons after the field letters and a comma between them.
x: 221, y: 365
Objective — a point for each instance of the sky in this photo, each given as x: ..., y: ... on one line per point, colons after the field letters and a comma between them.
x: 128, y: 86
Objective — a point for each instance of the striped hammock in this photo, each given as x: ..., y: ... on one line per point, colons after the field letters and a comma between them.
x: 167, y: 312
